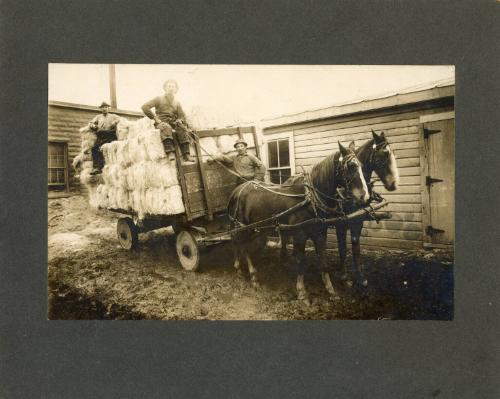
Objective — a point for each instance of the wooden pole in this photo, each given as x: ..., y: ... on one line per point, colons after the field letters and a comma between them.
x: 112, y: 86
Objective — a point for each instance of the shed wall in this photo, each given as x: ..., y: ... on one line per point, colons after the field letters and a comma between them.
x: 64, y: 124
x: 314, y: 140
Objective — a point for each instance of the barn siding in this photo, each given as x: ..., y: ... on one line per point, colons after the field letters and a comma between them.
x: 64, y: 123
x: 314, y: 140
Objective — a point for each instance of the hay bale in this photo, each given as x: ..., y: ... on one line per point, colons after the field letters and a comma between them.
x: 137, y: 151
x: 153, y: 144
x: 122, y: 129
x: 123, y: 154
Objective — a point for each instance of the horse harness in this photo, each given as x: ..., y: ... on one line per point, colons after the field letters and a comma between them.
x: 312, y: 196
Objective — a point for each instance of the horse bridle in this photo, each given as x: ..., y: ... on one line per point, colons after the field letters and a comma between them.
x: 377, y: 147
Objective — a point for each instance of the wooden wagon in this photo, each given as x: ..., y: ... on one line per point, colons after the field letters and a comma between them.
x: 206, y: 188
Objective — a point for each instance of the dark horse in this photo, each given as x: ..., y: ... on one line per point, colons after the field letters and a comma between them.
x: 313, y: 197
x: 375, y: 156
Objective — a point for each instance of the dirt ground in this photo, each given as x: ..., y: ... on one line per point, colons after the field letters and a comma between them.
x: 91, y: 277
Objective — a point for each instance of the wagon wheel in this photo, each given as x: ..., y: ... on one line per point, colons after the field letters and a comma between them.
x: 128, y: 234
x: 188, y: 249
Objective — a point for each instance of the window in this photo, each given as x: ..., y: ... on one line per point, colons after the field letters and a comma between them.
x: 58, y: 166
x: 279, y: 156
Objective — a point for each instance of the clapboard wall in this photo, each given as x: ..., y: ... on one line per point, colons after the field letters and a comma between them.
x: 64, y: 123
x: 315, y: 139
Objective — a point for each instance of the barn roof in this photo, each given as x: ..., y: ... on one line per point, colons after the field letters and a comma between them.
x: 424, y: 92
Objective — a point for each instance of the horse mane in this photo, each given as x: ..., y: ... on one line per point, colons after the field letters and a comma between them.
x: 364, y: 151
x: 323, y: 174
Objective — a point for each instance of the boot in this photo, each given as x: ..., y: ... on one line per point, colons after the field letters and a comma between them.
x: 186, y: 156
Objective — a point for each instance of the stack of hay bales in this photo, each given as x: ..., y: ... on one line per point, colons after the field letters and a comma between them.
x: 137, y: 176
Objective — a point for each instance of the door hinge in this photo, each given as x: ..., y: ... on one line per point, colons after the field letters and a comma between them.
x: 429, y: 180
x: 428, y: 132
x: 430, y: 231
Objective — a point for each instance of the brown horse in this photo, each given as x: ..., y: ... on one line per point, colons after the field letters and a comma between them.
x: 375, y: 156
x: 253, y: 202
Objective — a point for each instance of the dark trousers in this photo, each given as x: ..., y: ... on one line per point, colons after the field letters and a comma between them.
x: 103, y: 137
x: 181, y: 135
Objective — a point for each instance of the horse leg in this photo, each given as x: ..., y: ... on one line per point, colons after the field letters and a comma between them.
x: 283, y: 253
x: 341, y: 231
x: 356, y: 253
x: 237, y: 258
x: 252, y: 270
x: 299, y: 247
x: 320, y: 245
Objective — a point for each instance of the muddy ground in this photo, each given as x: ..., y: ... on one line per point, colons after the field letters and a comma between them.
x: 91, y: 277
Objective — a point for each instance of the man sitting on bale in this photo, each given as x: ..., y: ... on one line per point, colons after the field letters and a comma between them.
x: 248, y: 166
x: 104, y: 126
x: 169, y: 116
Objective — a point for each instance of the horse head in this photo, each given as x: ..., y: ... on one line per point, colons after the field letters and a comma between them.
x: 383, y: 162
x: 351, y: 174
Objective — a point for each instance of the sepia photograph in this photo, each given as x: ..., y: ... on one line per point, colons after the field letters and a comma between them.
x: 251, y: 192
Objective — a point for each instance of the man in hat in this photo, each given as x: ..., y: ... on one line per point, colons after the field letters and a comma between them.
x: 248, y: 166
x: 169, y: 116
x: 104, y: 126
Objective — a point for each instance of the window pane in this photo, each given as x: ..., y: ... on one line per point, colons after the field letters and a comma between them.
x: 285, y: 174
x: 275, y: 176
x: 284, y: 153
x: 272, y: 154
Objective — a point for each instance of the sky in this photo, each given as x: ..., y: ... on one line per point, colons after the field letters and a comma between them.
x: 224, y: 95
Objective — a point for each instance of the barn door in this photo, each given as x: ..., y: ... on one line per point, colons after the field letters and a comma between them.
x: 439, y: 140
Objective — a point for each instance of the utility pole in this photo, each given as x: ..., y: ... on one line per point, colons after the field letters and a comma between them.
x: 112, y: 86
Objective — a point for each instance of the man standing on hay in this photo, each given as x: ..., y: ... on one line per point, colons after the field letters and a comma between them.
x: 169, y: 116
x: 248, y: 166
x: 104, y: 126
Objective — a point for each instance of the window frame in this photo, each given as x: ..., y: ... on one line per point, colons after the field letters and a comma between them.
x: 64, y: 144
x: 270, y: 137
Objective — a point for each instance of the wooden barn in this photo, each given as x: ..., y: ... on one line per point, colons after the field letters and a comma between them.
x: 64, y: 123
x: 419, y: 125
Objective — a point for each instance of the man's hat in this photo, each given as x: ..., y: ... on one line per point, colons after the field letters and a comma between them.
x: 240, y: 141
x: 104, y: 104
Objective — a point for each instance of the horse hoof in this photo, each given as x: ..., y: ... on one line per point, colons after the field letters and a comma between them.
x: 305, y: 302
x: 365, y: 283
x: 334, y: 298
x: 256, y: 286
x: 349, y: 283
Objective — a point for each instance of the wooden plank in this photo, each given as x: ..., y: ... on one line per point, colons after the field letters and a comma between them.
x: 412, y: 208
x: 371, y: 118
x: 182, y: 181
x: 332, y: 129
x: 414, y: 189
x: 403, y: 162
x: 203, y: 179
x: 403, y: 198
x: 394, y: 225
x: 359, y: 139
x: 380, y: 242
x: 223, y: 132
x: 406, y: 216
x: 410, y: 153
x: 395, y: 234
x: 318, y: 155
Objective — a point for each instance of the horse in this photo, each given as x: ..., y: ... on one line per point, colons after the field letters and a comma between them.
x: 375, y: 156
x: 307, y: 198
